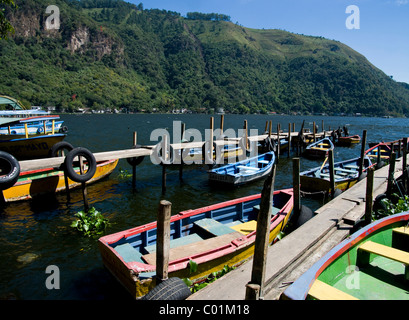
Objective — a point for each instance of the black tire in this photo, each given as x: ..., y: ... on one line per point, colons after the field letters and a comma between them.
x: 170, y: 289
x: 11, y: 168
x: 63, y: 145
x: 69, y: 165
x: 63, y: 129
x: 305, y: 215
x: 378, y: 205
x: 135, y: 161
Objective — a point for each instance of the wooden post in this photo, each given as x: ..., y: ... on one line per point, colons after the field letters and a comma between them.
x: 270, y: 129
x: 254, y: 289
x: 245, y: 127
x: 163, y: 241
x: 84, y: 187
x: 391, y: 174
x: 331, y: 173
x: 405, y: 164
x: 313, y: 132
x: 369, y: 196
x: 135, y: 139
x: 289, y: 139
x: 211, y: 137
x: 296, y: 188
x: 221, y: 126
x: 165, y: 158
x: 278, y: 141
x: 361, y: 163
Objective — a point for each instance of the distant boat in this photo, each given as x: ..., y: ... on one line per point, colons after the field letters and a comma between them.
x: 213, y: 236
x: 346, y: 174
x: 391, y: 144
x: 371, y: 264
x: 347, y: 141
x: 35, y: 125
x: 13, y: 108
x: 380, y: 151
x: 319, y: 149
x: 243, y: 171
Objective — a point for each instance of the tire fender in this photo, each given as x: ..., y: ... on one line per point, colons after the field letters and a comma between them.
x: 59, y: 146
x: 69, y: 165
x: 170, y: 289
x: 11, y: 168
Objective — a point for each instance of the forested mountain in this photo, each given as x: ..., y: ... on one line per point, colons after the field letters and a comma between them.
x: 113, y: 54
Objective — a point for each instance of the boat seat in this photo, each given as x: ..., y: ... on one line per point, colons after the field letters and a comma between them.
x: 246, y: 227
x: 177, y: 242
x: 365, y: 249
x: 322, y: 291
x: 196, y: 248
x: 263, y: 161
x: 247, y: 168
x: 345, y: 170
x: 351, y: 166
x: 274, y: 211
x: 128, y: 253
x: 214, y: 227
x: 402, y: 230
x: 326, y: 175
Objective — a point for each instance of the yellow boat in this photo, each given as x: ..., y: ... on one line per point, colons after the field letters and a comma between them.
x: 39, y: 182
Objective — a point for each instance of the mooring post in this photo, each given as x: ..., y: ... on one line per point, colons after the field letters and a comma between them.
x: 245, y: 127
x: 369, y: 196
x: 361, y: 162
x: 135, y: 140
x: 222, y: 126
x: 165, y: 158
x: 404, y: 164
x: 289, y: 139
x: 391, y: 178
x: 278, y: 141
x: 84, y: 187
x: 163, y: 240
x: 331, y: 173
x: 254, y: 289
x: 296, y: 188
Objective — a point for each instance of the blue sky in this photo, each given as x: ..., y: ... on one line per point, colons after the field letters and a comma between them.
x: 382, y: 37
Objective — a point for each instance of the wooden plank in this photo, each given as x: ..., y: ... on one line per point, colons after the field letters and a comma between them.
x: 192, y: 249
x: 385, y: 251
x: 402, y: 230
x: 246, y: 228
x: 322, y: 291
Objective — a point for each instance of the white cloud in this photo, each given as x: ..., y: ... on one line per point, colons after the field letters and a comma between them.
x: 401, y: 2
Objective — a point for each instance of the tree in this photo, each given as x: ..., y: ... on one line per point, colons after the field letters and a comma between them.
x: 5, y: 26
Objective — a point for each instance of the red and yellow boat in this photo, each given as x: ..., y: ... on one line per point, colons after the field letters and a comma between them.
x: 45, y: 181
x: 213, y: 237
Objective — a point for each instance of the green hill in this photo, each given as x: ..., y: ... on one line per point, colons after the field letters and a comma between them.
x: 112, y: 54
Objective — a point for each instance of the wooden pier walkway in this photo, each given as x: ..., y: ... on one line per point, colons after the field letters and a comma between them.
x: 294, y: 254
x: 143, y: 151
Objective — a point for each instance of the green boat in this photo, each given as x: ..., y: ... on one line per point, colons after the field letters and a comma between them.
x: 372, y: 264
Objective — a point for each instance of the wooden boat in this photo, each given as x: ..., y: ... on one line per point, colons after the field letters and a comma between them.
x: 346, y: 174
x: 32, y: 125
x: 379, y: 153
x: 29, y: 147
x: 244, y: 171
x: 393, y: 145
x: 371, y: 264
x: 214, y: 236
x: 48, y: 181
x: 13, y: 108
x: 347, y: 141
x: 319, y: 149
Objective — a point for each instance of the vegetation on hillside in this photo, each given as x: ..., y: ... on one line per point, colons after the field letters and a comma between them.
x: 113, y: 54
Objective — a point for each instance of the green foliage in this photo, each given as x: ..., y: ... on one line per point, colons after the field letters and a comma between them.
x: 146, y: 60
x: 5, y: 26
x: 90, y: 223
x: 194, y: 287
x: 391, y: 206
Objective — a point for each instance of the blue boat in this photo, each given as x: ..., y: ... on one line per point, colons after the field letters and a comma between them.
x: 243, y: 171
x: 319, y: 149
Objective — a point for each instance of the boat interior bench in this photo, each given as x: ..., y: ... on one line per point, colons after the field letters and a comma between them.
x: 195, y: 248
x: 177, y: 242
x: 247, y: 168
x: 322, y: 291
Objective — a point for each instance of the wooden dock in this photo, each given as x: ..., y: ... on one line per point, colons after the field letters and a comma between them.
x: 298, y: 251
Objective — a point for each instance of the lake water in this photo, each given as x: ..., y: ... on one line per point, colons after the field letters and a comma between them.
x: 37, y: 234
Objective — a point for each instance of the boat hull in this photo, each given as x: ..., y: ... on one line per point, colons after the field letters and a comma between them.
x: 382, y: 279
x: 139, y: 277
x: 319, y: 149
x: 34, y: 147
x: 347, y: 141
x: 49, y: 181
